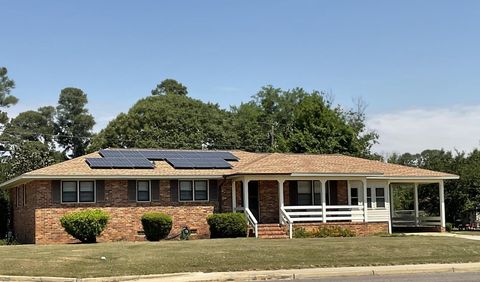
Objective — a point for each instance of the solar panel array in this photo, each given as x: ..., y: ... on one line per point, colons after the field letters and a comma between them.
x: 178, y: 159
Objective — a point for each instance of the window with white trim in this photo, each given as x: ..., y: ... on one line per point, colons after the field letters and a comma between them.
x: 86, y: 191
x: 304, y: 193
x: 354, y: 196
x: 78, y: 191
x: 317, y: 193
x: 369, y: 197
x: 380, y: 197
x: 143, y: 191
x: 69, y: 192
x: 193, y: 190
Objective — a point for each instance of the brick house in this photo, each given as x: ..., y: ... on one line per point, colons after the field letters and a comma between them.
x: 276, y: 192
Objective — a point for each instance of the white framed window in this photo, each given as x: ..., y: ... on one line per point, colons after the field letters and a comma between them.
x: 317, y: 193
x: 193, y: 190
x: 86, y: 192
x: 304, y: 193
x: 143, y: 191
x: 380, y: 197
x: 74, y: 191
x: 17, y: 197
x: 69, y: 192
x: 369, y: 197
x: 354, y: 196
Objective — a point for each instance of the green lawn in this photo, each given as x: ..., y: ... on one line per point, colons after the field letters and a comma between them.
x: 124, y: 258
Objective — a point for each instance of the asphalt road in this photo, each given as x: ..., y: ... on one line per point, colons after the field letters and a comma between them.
x: 427, y: 277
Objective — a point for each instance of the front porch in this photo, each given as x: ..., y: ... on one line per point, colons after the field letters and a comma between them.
x: 316, y: 201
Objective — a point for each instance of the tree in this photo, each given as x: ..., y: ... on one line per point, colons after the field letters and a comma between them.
x: 167, y: 121
x: 170, y: 86
x: 31, y: 126
x: 28, y: 156
x: 74, y: 122
x: 6, y: 100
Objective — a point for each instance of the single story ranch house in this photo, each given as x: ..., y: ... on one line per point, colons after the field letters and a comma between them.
x: 277, y: 192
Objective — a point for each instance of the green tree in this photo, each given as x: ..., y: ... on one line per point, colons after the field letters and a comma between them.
x: 32, y: 126
x: 28, y: 156
x: 74, y: 123
x: 170, y: 86
x: 167, y: 121
x: 6, y: 99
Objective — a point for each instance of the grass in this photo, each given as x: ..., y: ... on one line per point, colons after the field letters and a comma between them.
x: 77, y: 260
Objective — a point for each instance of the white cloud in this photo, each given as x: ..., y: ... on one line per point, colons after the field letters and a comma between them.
x: 414, y: 130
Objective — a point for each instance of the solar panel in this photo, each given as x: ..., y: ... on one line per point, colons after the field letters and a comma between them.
x: 110, y: 162
x: 123, y: 158
x: 180, y: 163
x: 140, y: 163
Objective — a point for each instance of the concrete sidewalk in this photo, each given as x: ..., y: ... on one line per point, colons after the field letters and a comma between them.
x: 287, y: 274
x: 445, y: 234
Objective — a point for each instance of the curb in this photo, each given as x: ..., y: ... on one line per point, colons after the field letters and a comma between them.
x: 283, y: 274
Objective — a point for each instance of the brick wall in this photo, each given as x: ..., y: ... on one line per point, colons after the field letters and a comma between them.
x: 342, y: 192
x: 39, y: 220
x: 359, y: 228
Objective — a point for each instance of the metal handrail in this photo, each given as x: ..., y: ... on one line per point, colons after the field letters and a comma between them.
x: 252, y: 220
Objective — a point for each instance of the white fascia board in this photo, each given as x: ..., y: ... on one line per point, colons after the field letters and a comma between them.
x: 337, y: 174
x: 415, y: 178
x: 25, y: 178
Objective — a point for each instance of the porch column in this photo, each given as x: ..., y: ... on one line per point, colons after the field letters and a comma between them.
x: 234, y: 196
x: 415, y: 199
x: 245, y: 194
x: 365, y: 201
x: 324, y: 201
x: 281, y: 201
x: 442, y: 204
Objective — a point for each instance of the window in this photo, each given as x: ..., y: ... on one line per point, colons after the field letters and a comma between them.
x: 354, y: 196
x: 380, y: 197
x: 369, y: 197
x: 193, y: 190
x: 87, y: 191
x: 304, y: 191
x: 143, y: 191
x: 17, y: 197
x: 186, y: 190
x: 24, y: 194
x: 317, y: 193
x: 69, y: 191
x: 201, y: 193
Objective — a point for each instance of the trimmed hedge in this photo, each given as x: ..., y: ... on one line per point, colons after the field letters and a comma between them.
x: 85, y: 225
x: 323, y: 232
x: 227, y: 225
x: 156, y: 225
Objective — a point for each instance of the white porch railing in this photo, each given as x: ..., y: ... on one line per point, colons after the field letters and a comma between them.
x: 406, y: 218
x: 252, y: 221
x: 286, y: 219
x: 332, y: 213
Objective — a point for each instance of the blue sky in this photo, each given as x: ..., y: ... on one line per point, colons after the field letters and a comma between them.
x: 416, y: 63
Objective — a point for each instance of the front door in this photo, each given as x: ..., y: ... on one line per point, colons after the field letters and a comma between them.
x: 253, y: 199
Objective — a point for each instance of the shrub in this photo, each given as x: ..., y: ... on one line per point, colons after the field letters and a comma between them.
x: 322, y: 232
x: 156, y: 225
x: 448, y: 227
x: 227, y: 225
x: 85, y: 225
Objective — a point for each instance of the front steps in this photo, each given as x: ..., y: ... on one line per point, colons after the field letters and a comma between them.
x: 271, y: 231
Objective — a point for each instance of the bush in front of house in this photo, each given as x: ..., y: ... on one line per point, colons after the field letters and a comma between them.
x: 85, y: 225
x: 448, y: 227
x: 227, y: 225
x: 156, y: 225
x: 323, y: 232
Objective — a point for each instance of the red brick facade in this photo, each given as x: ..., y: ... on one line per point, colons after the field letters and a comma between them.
x: 37, y: 218
x: 38, y: 221
x: 359, y: 228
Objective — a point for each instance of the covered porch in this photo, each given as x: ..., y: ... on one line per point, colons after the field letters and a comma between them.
x: 306, y: 200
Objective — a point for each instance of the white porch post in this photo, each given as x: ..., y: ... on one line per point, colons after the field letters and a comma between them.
x: 442, y: 204
x: 281, y: 201
x: 245, y: 194
x: 415, y: 198
x: 324, y: 200
x: 234, y: 196
x: 365, y: 201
